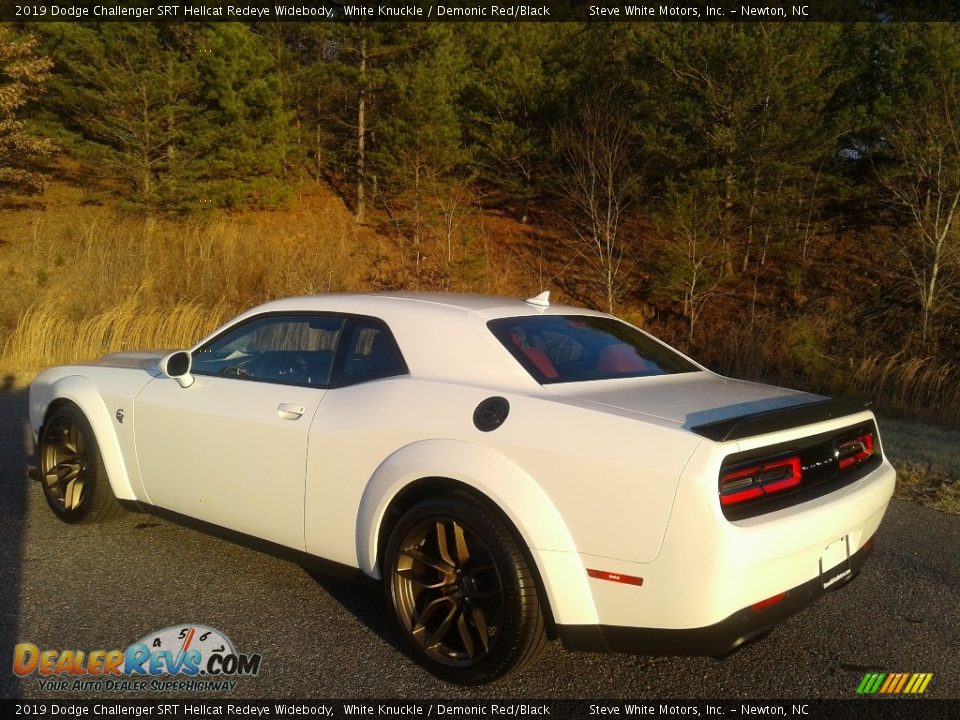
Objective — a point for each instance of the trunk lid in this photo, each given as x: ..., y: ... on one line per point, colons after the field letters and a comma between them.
x: 688, y: 399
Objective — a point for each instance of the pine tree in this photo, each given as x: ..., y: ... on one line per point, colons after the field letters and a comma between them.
x: 126, y: 94
x: 302, y: 49
x: 419, y: 142
x: 244, y: 133
x: 182, y: 116
x: 345, y: 75
x: 517, y: 87
x: 23, y: 74
x: 743, y: 113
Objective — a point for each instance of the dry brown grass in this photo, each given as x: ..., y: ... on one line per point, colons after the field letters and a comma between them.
x: 42, y: 337
x: 798, y: 353
x: 924, y: 386
x: 82, y: 277
x: 927, y: 460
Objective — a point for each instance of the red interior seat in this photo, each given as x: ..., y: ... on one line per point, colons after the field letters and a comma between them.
x: 540, y: 358
x: 620, y: 358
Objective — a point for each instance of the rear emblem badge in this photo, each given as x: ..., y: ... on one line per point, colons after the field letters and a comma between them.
x: 120, y: 416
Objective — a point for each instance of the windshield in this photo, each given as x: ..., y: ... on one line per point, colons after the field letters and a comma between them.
x: 573, y: 348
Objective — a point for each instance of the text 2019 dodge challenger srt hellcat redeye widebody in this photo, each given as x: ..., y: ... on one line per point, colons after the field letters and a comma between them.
x: 512, y: 471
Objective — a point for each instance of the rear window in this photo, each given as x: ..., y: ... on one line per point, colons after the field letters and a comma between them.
x: 573, y: 348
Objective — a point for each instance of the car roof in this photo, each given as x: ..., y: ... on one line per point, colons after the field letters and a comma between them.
x: 488, y: 306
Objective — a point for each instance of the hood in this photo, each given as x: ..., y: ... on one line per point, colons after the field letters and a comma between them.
x: 688, y: 399
x: 141, y: 360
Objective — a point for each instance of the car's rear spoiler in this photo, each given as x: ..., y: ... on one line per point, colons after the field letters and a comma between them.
x: 773, y: 420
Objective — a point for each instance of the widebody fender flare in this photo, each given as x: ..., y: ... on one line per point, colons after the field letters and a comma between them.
x: 81, y: 392
x: 503, y: 483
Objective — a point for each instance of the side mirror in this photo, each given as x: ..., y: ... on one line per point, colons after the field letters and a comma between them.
x: 177, y: 366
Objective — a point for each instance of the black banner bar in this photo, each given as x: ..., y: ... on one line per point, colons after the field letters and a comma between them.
x: 476, y: 11
x: 864, y: 707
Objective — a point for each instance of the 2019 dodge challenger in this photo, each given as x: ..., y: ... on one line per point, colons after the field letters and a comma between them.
x: 511, y: 471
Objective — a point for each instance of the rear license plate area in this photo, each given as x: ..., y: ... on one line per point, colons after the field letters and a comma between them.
x: 835, y: 563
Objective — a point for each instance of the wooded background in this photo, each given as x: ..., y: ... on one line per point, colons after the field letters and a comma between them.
x: 778, y: 199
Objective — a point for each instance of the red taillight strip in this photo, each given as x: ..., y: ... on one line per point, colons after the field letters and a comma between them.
x: 614, y: 577
x: 758, y: 486
x: 796, y: 472
x: 865, y: 451
x: 742, y: 496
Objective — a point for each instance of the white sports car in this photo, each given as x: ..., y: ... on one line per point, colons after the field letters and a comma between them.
x: 512, y: 471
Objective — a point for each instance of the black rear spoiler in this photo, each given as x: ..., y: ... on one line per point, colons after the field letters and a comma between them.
x: 773, y: 420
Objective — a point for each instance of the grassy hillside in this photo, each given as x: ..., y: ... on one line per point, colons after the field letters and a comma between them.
x: 83, y: 276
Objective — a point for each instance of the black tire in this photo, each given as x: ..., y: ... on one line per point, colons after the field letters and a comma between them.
x: 72, y: 474
x: 462, y: 592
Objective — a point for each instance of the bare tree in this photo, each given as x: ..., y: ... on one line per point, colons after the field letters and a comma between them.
x: 600, y: 185
x: 455, y: 200
x: 693, y: 252
x: 362, y: 129
x: 926, y: 185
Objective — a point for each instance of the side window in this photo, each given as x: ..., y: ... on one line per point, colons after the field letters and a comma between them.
x: 294, y: 349
x: 371, y: 352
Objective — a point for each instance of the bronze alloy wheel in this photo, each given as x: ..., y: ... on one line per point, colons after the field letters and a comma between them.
x: 74, y: 480
x: 462, y: 591
x: 64, y: 463
x: 448, y: 591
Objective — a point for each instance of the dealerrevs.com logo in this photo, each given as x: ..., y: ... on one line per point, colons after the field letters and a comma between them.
x: 187, y: 657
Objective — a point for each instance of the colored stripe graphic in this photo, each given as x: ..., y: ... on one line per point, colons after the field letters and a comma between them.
x: 894, y: 683
x: 870, y: 683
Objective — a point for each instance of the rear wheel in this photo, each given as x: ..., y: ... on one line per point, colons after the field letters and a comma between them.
x: 462, y: 591
x: 74, y: 479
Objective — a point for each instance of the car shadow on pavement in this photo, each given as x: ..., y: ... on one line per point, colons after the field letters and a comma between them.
x: 363, y: 600
x: 15, y: 451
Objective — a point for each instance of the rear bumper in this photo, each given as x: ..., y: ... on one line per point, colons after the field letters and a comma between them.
x: 714, y: 640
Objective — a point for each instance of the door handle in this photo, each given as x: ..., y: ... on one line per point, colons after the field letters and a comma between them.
x: 290, y: 411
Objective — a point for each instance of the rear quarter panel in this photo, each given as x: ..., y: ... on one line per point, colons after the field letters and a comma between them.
x: 609, y: 480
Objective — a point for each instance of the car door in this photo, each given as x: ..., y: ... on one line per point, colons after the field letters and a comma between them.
x: 231, y: 448
x: 354, y: 431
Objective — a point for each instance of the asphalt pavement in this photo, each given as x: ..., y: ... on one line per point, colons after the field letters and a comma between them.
x: 106, y: 586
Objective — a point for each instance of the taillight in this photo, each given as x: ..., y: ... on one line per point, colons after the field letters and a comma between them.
x: 853, y: 451
x: 742, y: 484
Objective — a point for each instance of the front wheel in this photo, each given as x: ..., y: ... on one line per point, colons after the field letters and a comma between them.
x: 462, y: 591
x: 74, y: 479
